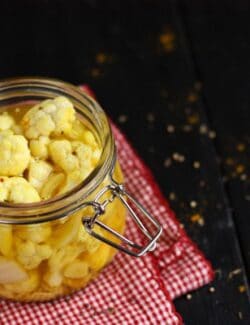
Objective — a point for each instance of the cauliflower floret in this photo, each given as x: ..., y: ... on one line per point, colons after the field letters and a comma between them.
x: 36, y: 233
x: 61, y: 153
x: 50, y: 117
x: 26, y: 286
x: 79, y: 132
x: 17, y: 190
x: 30, y: 255
x: 6, y: 121
x: 17, y: 129
x: 75, y: 158
x: 52, y: 186
x: 14, y: 155
x: 58, y: 261
x: 39, y: 147
x: 39, y: 172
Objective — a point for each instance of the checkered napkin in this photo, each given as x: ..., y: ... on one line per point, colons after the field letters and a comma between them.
x: 130, y: 290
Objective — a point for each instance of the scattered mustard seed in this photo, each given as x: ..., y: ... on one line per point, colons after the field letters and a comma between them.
x: 172, y: 196
x: 203, y: 129
x: 212, y: 289
x: 95, y: 73
x: 240, y: 315
x: 243, y: 177
x: 192, y: 97
x: 212, y: 134
x: 241, y: 147
x: 122, y: 119
x: 240, y: 169
x: 167, y: 41
x: 101, y: 58
x: 167, y: 162
x: 197, y: 218
x: 178, y: 157
x: 170, y: 128
x: 193, y: 204
x: 196, y: 164
x: 193, y: 119
x: 234, y: 273
x: 150, y: 117
x: 187, y: 128
x: 242, y: 288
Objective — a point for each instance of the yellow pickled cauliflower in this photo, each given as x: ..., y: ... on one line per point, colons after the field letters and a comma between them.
x: 39, y: 147
x: 39, y: 172
x: 61, y: 153
x: 50, y: 117
x: 30, y: 254
x: 14, y: 155
x: 17, y: 190
x: 75, y: 158
x: 6, y: 121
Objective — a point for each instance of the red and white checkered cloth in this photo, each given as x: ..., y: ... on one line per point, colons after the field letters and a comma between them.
x: 130, y: 290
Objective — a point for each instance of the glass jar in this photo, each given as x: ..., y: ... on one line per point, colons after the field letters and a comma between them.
x: 51, y: 248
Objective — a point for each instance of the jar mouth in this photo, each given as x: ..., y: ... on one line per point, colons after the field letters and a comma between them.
x: 24, y: 89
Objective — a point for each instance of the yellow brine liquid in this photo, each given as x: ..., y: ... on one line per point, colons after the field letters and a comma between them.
x: 45, y: 151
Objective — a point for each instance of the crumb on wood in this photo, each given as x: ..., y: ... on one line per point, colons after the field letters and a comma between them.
x: 193, y: 119
x: 170, y: 128
x: 240, y: 169
x: 240, y: 315
x: 167, y: 162
x: 95, y: 73
x: 234, y: 273
x: 242, y: 288
x: 196, y: 164
x: 197, y: 218
x: 193, y: 204
x: 172, y: 196
x: 192, y: 97
x: 150, y: 117
x: 178, y: 157
x: 240, y: 147
x: 212, y: 289
x: 167, y: 40
x: 122, y: 118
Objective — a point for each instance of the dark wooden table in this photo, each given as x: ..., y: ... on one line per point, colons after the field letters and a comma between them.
x: 175, y: 76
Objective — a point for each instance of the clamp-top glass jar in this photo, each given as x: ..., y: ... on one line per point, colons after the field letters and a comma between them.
x: 71, y: 237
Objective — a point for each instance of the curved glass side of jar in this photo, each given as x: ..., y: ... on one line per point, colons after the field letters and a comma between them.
x: 43, y: 261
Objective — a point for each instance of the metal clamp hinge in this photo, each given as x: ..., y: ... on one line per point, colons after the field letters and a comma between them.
x: 126, y: 245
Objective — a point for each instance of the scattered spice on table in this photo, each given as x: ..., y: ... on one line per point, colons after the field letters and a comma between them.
x: 122, y: 118
x: 196, y: 164
x: 167, y: 40
x: 167, y: 162
x: 212, y: 134
x: 150, y: 117
x: 172, y: 196
x: 178, y: 157
x: 211, y: 289
x: 197, y: 218
x: 170, y: 128
x: 234, y: 273
x: 203, y: 129
x: 193, y: 204
x: 242, y: 288
x: 241, y: 147
x: 192, y: 97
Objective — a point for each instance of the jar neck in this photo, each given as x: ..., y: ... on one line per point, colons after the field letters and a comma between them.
x: 14, y: 91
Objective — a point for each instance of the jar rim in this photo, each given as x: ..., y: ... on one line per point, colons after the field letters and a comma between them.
x: 71, y: 201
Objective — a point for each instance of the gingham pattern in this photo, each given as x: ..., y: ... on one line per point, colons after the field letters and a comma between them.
x: 130, y: 290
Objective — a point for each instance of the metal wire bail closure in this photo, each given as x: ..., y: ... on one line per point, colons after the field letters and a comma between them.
x: 127, y: 246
